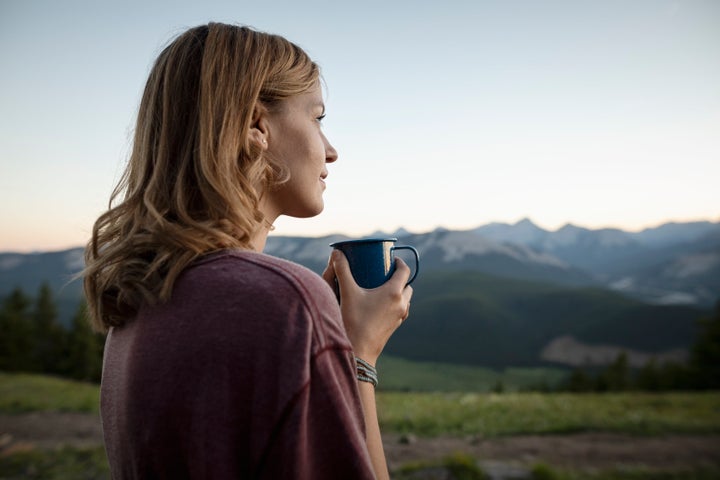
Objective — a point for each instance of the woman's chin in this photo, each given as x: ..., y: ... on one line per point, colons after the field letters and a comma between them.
x: 307, y: 212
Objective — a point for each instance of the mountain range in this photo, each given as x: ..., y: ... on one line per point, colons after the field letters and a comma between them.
x: 675, y: 263
x: 509, y: 294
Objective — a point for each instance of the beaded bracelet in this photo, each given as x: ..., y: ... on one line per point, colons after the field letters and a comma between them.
x: 366, y: 372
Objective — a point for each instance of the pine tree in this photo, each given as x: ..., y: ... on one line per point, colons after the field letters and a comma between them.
x: 705, y: 354
x: 17, y: 333
x: 84, y: 348
x: 49, y: 335
x: 499, y: 387
x: 676, y: 376
x: 616, y: 377
x: 579, y: 381
x: 648, y: 377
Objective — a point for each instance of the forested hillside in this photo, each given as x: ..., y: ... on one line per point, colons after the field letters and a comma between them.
x: 476, y: 319
x: 506, y: 295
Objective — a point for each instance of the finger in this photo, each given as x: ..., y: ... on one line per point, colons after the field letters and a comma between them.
x: 407, y: 294
x: 329, y: 273
x: 407, y: 312
x: 402, y: 273
x: 342, y: 270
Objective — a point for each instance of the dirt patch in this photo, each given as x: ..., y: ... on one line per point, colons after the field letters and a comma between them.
x: 586, y: 450
x: 49, y: 430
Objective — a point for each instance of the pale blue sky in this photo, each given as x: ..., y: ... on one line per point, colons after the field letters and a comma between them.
x: 454, y: 114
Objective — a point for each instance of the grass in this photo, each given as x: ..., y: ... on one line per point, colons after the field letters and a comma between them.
x: 461, y: 466
x: 458, y: 466
x: 492, y: 415
x: 431, y: 414
x: 397, y: 374
x: 545, y: 472
x: 90, y: 464
x: 20, y: 393
x: 423, y: 414
x: 60, y: 464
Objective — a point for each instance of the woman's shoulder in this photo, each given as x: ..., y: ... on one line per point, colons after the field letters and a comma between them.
x: 250, y: 260
x: 244, y: 281
x: 248, y: 269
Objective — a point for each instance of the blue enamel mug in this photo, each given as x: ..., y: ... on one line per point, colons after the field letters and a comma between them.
x: 372, y: 260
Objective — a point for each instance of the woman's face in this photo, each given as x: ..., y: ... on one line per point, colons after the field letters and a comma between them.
x: 295, y: 139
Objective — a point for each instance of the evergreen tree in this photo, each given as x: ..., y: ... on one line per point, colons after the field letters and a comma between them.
x: 579, y: 381
x: 499, y: 387
x: 49, y: 335
x: 84, y: 349
x: 616, y: 377
x: 676, y: 376
x: 16, y: 341
x: 648, y: 377
x: 705, y: 354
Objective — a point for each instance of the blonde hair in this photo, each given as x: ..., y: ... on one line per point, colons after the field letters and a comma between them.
x: 194, y: 179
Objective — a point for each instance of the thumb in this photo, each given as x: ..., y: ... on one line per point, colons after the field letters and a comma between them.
x: 329, y: 273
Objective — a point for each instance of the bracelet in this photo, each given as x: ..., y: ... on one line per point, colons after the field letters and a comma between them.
x: 366, y: 372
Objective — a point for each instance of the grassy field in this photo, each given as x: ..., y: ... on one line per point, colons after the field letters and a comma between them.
x: 450, y: 413
x: 539, y: 413
x: 419, y: 413
x: 464, y: 467
x: 39, y: 393
x: 397, y: 374
x: 61, y: 464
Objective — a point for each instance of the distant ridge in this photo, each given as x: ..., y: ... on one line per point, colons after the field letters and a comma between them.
x: 670, y: 263
x: 508, y: 295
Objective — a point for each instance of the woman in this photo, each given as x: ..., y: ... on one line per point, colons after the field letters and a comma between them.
x: 220, y: 361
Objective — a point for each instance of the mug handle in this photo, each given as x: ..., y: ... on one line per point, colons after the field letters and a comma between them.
x: 417, y: 260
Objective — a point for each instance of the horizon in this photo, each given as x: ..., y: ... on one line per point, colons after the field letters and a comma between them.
x: 277, y: 234
x: 598, y: 114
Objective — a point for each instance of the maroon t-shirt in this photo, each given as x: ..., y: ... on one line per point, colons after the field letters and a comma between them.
x: 245, y: 373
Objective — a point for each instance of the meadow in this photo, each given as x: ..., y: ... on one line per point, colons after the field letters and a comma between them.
x: 423, y: 414
x: 403, y: 375
x: 493, y: 415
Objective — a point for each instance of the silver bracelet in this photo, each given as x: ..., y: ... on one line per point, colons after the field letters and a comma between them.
x: 366, y: 372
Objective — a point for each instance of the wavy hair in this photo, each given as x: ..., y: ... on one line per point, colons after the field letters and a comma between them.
x: 194, y: 178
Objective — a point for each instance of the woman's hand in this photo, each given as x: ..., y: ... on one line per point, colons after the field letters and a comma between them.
x: 370, y: 316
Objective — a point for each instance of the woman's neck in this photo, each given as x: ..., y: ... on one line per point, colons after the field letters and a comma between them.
x: 259, y: 239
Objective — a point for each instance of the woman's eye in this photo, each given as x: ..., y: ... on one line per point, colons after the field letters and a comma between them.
x: 320, y: 118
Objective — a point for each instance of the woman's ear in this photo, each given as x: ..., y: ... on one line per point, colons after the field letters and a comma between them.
x: 259, y: 130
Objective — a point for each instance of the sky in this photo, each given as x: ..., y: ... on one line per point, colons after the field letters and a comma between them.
x: 445, y: 114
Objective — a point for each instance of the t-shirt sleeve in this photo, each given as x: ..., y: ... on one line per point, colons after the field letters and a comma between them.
x: 322, y: 432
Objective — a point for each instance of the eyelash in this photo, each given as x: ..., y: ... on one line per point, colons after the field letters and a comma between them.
x: 320, y: 118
